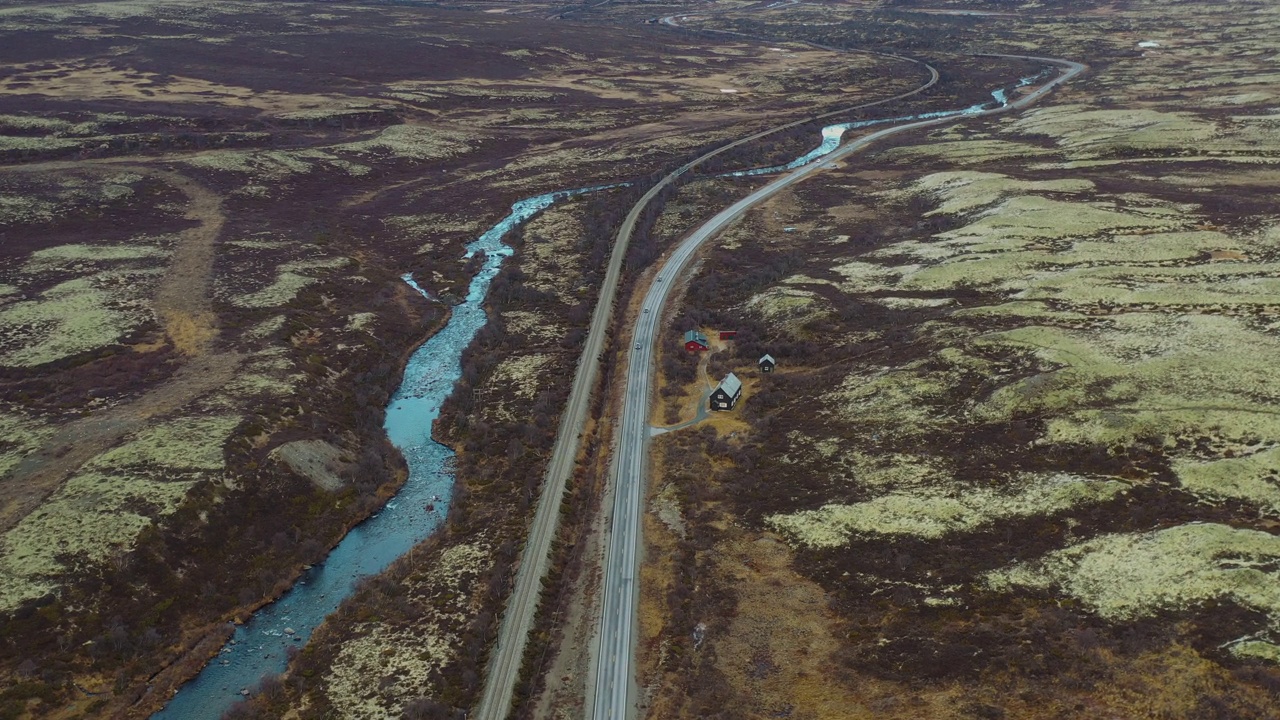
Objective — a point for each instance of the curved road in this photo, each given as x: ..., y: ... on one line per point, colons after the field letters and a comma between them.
x: 517, y: 619
x: 613, y: 692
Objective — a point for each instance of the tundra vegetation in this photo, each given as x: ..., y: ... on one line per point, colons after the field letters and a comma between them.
x: 206, y: 212
x: 1019, y: 457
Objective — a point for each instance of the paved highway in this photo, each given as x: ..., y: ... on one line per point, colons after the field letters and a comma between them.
x: 517, y: 619
x: 614, y: 694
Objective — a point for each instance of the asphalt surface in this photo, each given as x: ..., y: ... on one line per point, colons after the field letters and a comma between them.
x: 615, y: 693
x: 517, y: 620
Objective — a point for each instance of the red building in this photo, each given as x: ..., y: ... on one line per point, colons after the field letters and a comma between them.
x: 728, y: 334
x: 695, y: 341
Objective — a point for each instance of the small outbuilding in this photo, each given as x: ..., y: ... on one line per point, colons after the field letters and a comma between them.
x: 726, y: 394
x: 767, y: 364
x: 695, y: 341
x: 728, y: 334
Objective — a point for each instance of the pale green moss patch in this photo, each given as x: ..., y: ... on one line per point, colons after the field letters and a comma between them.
x: 1257, y: 650
x: 379, y: 671
x: 354, y: 169
x: 266, y: 328
x: 884, y: 472
x: 1025, y: 241
x: 894, y: 472
x: 265, y: 165
x: 50, y: 126
x: 1026, y: 238
x: 257, y: 243
x: 1214, y: 158
x: 966, y: 152
x: 433, y: 223
x: 666, y: 506
x: 1128, y: 576
x: 902, y: 401
x: 1030, y: 309
x: 98, y: 513
x: 1246, y: 98
x: 360, y: 321
x: 289, y: 281
x: 20, y: 435
x: 1089, y: 131
x: 265, y: 374
x: 926, y: 251
x: 35, y: 144
x: 90, y: 519
x: 74, y: 316
x: 1254, y: 479
x: 911, y: 303
x: 64, y: 257
x: 412, y: 141
x: 932, y: 513
x: 250, y: 385
x: 260, y: 192
x: 15, y: 209
x: 183, y: 444
x: 1106, y: 427
x: 1017, y: 220
x: 1149, y: 247
x: 286, y: 287
x: 521, y: 375
x: 863, y: 277
x: 260, y: 164
x: 1225, y: 284
x: 790, y: 305
x: 532, y: 325
x: 549, y: 256
x: 1146, y: 374
x: 963, y: 191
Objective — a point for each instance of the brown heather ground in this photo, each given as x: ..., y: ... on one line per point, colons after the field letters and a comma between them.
x: 205, y: 211
x: 1018, y: 460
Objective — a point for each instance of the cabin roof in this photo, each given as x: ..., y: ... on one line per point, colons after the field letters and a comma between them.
x: 730, y: 384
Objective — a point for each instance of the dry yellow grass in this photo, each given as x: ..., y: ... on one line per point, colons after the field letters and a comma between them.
x: 384, y: 668
x: 550, y: 257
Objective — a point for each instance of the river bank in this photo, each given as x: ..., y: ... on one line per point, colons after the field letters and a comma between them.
x: 262, y: 645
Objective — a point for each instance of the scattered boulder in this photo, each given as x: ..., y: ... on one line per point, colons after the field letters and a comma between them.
x: 320, y: 462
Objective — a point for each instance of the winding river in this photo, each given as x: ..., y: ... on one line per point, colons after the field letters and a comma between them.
x: 260, y: 647
x: 832, y: 134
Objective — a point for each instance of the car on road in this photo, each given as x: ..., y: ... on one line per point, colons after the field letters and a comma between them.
x: 646, y: 309
x: 637, y: 346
